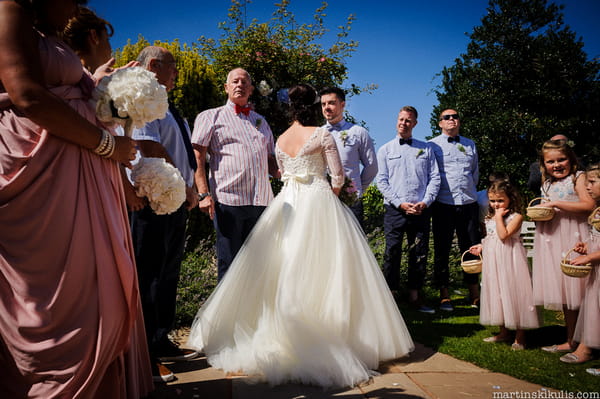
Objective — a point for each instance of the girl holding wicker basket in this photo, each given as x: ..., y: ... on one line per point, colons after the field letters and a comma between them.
x: 588, y: 322
x: 506, y: 294
x: 563, y: 189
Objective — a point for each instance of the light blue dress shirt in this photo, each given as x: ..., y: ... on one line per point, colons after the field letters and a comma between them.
x: 166, y: 132
x: 459, y: 170
x: 356, y: 148
x: 407, y: 173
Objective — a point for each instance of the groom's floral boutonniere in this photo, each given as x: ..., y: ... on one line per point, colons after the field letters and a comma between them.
x: 420, y: 152
x: 259, y: 123
x: 461, y: 148
x: 344, y: 136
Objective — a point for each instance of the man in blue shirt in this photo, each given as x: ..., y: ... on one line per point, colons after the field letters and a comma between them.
x: 455, y: 209
x: 353, y: 142
x: 409, y: 180
x: 159, y: 240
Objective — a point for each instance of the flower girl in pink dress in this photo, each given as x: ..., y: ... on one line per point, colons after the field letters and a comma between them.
x: 587, y: 330
x: 506, y: 293
x: 563, y: 189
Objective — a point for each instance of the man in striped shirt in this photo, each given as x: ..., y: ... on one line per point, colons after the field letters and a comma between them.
x: 240, y: 148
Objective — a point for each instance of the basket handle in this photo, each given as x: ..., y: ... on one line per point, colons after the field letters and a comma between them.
x: 592, y: 217
x: 536, y: 198
x: 566, y: 257
x: 462, y: 258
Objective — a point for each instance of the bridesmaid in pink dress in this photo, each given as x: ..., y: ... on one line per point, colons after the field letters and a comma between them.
x: 70, y: 324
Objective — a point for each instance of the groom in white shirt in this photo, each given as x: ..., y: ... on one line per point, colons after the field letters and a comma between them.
x: 353, y: 142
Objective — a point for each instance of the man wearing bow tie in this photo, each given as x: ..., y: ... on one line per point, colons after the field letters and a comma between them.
x: 354, y: 144
x: 455, y: 209
x: 409, y: 180
x: 240, y: 146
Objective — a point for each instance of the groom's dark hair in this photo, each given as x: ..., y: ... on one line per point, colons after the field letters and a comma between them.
x: 341, y: 95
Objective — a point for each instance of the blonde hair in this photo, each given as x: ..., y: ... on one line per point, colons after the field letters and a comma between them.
x: 563, y: 147
x: 594, y: 168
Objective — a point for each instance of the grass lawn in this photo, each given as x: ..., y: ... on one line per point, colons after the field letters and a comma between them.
x: 460, y: 335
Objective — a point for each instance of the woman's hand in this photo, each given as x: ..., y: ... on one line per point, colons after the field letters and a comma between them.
x: 107, y: 69
x: 125, y: 150
x: 134, y: 203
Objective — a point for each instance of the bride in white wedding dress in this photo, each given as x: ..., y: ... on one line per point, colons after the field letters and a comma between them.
x: 304, y: 300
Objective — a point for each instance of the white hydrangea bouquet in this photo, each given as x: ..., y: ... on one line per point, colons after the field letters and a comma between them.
x: 130, y: 97
x: 161, y: 183
x: 133, y: 97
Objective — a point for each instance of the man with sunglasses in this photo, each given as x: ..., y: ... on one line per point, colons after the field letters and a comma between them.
x: 455, y: 208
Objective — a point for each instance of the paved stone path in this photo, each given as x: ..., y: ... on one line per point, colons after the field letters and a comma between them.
x: 425, y: 374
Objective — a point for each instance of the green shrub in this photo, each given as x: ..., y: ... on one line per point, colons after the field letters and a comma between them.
x: 197, y: 280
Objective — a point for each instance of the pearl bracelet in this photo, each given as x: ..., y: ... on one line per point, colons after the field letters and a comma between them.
x: 106, y: 147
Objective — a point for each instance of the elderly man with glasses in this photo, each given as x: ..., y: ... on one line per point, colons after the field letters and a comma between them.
x: 455, y: 208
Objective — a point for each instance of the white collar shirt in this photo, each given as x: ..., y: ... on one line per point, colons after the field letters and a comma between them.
x: 356, y: 150
x: 238, y: 146
x: 459, y: 170
x: 407, y: 173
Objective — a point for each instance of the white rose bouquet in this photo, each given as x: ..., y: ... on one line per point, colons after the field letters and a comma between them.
x: 130, y: 96
x: 161, y: 183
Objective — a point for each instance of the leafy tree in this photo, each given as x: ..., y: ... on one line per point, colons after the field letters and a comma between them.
x: 524, y: 78
x: 281, y: 53
x: 196, y: 88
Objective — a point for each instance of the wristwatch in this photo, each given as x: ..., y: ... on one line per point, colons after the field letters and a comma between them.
x: 201, y: 196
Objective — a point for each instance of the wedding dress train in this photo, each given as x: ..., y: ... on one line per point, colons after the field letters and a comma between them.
x: 304, y: 300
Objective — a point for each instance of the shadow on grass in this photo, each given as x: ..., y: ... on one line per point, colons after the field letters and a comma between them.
x: 433, y: 329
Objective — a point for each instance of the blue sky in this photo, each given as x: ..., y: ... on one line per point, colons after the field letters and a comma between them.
x: 402, y: 46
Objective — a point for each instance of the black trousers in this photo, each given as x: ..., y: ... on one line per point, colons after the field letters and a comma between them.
x: 158, y: 242
x: 446, y: 220
x: 395, y: 224
x: 359, y: 213
x: 233, y: 224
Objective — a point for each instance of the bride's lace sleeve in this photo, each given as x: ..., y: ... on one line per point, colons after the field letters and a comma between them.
x: 332, y: 156
x: 278, y: 156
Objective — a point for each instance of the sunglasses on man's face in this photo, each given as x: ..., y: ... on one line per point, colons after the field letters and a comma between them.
x: 449, y: 116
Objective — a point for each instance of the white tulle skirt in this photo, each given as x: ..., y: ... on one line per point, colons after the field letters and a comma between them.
x: 304, y: 300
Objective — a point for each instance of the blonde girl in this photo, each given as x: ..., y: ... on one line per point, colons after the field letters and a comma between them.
x: 563, y: 189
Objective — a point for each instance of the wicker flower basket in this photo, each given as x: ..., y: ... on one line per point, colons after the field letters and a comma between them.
x: 539, y: 213
x: 594, y: 219
x: 574, y: 270
x: 471, y: 266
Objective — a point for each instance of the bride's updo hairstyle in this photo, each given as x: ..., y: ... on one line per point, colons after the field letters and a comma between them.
x: 303, y: 104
